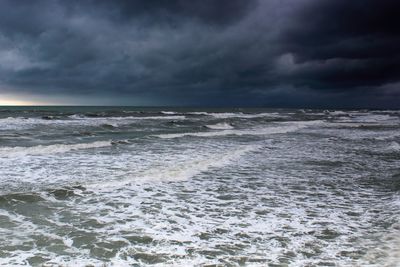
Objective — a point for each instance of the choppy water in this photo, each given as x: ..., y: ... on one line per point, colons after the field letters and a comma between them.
x: 179, y: 187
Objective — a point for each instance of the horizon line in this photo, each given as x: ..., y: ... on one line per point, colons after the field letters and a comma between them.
x: 198, y: 106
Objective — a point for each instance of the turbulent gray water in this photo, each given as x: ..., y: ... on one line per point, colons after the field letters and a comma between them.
x: 179, y: 187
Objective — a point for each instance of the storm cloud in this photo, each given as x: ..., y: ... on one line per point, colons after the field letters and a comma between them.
x: 315, y: 53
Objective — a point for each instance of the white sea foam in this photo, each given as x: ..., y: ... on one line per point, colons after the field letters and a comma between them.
x: 386, y: 252
x: 220, y: 126
x: 338, y: 112
x: 131, y: 118
x: 49, y: 149
x: 396, y: 112
x: 169, y: 112
x: 76, y: 116
x: 14, y: 123
x: 297, y: 200
x: 19, y: 123
x: 387, y: 136
x: 370, y: 118
x: 227, y: 115
x: 188, y: 168
x: 394, y: 146
x: 198, y: 113
x: 276, y: 129
x: 183, y: 167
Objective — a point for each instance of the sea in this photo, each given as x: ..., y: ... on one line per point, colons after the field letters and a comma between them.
x: 130, y: 186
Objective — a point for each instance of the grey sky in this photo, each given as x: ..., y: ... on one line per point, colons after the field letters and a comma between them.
x: 317, y: 53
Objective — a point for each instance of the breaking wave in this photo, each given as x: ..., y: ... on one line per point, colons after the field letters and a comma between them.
x: 186, y: 168
x: 220, y: 126
x: 19, y: 123
x: 287, y: 127
x: 49, y: 149
x: 227, y: 115
x: 394, y: 146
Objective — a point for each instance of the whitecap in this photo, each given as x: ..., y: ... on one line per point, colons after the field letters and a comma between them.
x: 285, y: 128
x: 168, y: 112
x: 394, y: 146
x: 227, y: 115
x: 338, y: 113
x: 183, y: 168
x: 220, y: 126
x: 198, y: 113
x: 49, y: 149
x: 370, y: 118
x: 19, y: 123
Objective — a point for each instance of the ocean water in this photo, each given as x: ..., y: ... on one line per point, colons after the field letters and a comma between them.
x: 121, y: 186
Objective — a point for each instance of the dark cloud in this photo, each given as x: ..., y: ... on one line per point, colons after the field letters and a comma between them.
x: 207, y: 11
x: 346, y: 44
x: 204, y: 52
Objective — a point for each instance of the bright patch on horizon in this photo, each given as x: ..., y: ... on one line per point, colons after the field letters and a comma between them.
x: 14, y: 102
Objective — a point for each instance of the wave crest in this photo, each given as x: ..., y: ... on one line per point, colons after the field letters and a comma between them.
x: 49, y: 149
x: 220, y: 126
x: 284, y: 128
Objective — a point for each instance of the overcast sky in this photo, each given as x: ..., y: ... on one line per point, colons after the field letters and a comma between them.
x: 273, y: 53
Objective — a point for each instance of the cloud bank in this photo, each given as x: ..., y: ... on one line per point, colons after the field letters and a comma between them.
x: 317, y: 53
